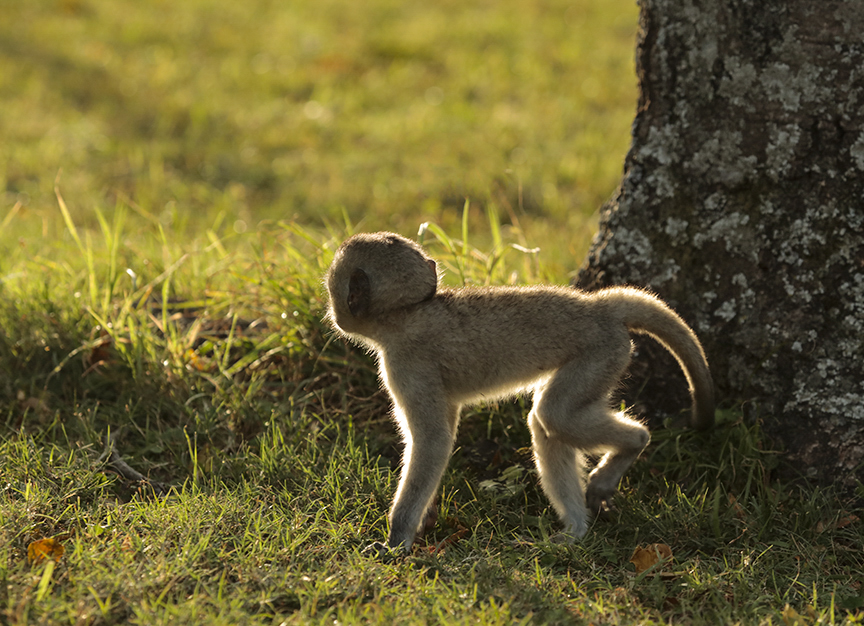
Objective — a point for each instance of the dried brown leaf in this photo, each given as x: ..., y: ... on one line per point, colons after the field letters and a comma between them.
x: 645, y: 558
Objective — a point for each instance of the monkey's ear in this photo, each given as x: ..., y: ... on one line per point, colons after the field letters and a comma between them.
x: 359, y: 293
x: 434, y: 268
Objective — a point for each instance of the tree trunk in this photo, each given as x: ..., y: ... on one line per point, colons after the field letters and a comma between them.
x: 742, y: 205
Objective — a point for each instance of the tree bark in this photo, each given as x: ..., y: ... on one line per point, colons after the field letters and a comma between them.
x: 742, y: 205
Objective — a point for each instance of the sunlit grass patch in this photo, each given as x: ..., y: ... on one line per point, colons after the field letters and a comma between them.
x: 212, y: 371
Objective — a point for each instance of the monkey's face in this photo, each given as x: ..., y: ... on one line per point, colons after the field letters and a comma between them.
x: 374, y: 274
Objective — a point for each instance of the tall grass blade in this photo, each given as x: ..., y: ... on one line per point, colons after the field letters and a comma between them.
x: 67, y: 218
x: 465, y: 212
x: 10, y: 215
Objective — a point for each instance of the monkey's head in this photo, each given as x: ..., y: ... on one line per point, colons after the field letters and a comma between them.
x: 373, y: 274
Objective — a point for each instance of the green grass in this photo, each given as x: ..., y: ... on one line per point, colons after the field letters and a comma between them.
x: 169, y: 297
x: 275, y: 439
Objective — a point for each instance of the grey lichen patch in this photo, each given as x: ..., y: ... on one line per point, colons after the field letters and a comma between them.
x: 778, y: 82
x: 633, y: 245
x: 677, y: 230
x: 729, y: 229
x: 666, y: 271
x: 660, y: 146
x: 790, y: 87
x: 850, y: 15
x: 629, y: 242
x: 739, y: 299
x: 857, y: 151
x: 738, y: 82
x: 720, y: 159
x: 794, y: 81
x: 726, y: 311
x: 780, y: 152
x: 705, y: 54
x: 808, y: 235
x: 659, y: 152
x: 715, y: 203
x: 662, y: 182
x: 848, y: 405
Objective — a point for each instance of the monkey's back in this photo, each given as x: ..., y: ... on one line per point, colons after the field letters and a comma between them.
x: 497, y: 341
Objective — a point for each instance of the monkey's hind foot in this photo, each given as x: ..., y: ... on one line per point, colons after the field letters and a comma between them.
x: 430, y: 518
x: 383, y: 552
x: 600, y: 503
x: 563, y: 538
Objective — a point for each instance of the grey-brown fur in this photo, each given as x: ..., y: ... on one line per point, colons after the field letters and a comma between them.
x: 439, y: 349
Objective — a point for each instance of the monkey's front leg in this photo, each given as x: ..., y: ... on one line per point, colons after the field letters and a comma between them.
x: 429, y: 434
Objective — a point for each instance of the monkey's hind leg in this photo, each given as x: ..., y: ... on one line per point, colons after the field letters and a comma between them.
x: 596, y: 428
x: 573, y: 408
x: 559, y: 465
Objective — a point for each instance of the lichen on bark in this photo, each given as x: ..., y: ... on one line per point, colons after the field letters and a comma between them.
x: 742, y: 204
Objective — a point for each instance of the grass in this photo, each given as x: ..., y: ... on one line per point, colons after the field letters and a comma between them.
x: 275, y: 441
x: 164, y: 296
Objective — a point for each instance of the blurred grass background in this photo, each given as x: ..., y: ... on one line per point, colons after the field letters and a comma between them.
x: 206, y: 113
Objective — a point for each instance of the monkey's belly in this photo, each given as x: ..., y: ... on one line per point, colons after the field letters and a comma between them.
x: 488, y: 384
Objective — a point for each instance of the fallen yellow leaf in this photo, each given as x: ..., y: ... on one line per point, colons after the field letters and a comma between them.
x: 42, y: 549
x: 196, y: 362
x: 647, y: 557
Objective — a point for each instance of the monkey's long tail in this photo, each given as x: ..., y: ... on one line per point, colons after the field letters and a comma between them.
x: 644, y: 313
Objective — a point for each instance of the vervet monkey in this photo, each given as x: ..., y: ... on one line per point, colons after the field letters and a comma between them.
x: 439, y: 349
